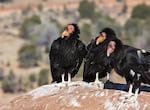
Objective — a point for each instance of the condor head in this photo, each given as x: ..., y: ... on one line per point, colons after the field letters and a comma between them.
x: 105, y: 34
x: 113, y: 46
x: 71, y: 29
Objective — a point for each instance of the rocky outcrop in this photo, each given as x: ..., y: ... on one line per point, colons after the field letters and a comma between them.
x: 77, y: 96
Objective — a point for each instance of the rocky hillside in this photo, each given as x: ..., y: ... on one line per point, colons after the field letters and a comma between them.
x: 118, y: 9
x: 77, y: 96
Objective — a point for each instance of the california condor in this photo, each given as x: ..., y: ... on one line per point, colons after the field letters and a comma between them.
x: 66, y: 54
x: 131, y: 63
x: 97, y: 62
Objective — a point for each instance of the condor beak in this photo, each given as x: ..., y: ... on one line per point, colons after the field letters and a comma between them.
x: 65, y: 34
x: 101, y: 38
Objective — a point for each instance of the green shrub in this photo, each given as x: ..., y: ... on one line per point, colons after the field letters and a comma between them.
x: 3, y: 1
x: 40, y: 7
x: 141, y: 11
x: 9, y: 84
x: 26, y: 24
x: 32, y: 78
x: 86, y: 9
x: 43, y: 77
x: 29, y: 56
x: 86, y: 32
x: 1, y: 74
x: 133, y: 27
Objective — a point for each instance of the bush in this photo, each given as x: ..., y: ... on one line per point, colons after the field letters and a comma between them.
x: 26, y: 10
x: 1, y: 74
x: 43, y: 77
x: 133, y: 27
x: 29, y: 56
x: 106, y: 21
x: 141, y: 11
x: 12, y: 84
x: 6, y: 86
x: 86, y: 9
x: 3, y: 1
x: 32, y: 78
x: 27, y: 24
x: 9, y: 84
x: 40, y: 7
x: 86, y: 32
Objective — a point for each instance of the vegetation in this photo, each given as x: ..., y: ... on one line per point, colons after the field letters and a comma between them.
x: 1, y: 74
x: 29, y: 56
x: 3, y: 1
x: 9, y: 84
x: 26, y: 10
x: 32, y: 78
x: 27, y: 24
x: 86, y: 9
x: 40, y: 7
x: 86, y: 32
x: 141, y: 11
x: 133, y: 27
x: 43, y: 77
x: 137, y: 27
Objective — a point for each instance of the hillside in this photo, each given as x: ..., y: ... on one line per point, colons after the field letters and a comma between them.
x: 77, y: 96
x: 118, y: 9
x: 53, y: 18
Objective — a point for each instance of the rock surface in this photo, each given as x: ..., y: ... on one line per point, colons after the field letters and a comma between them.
x: 77, y: 96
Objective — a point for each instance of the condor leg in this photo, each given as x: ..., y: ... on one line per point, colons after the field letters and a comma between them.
x: 97, y: 82
x: 69, y: 78
x: 63, y: 78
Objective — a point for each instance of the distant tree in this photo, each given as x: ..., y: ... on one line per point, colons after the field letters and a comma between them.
x: 10, y: 83
x: 86, y: 32
x: 1, y: 74
x: 40, y: 7
x: 26, y: 24
x: 141, y: 11
x: 32, y: 80
x: 133, y: 27
x: 29, y: 56
x: 32, y: 77
x: 86, y: 9
x: 26, y: 10
x: 43, y: 77
x: 3, y: 1
x: 107, y: 21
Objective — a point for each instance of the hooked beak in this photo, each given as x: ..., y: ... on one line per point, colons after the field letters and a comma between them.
x: 65, y: 34
x: 101, y: 38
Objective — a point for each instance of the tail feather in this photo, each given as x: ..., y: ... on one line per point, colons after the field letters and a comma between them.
x: 146, y: 77
x: 146, y: 57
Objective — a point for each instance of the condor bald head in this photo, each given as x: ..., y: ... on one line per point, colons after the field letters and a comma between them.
x: 71, y: 30
x: 106, y: 34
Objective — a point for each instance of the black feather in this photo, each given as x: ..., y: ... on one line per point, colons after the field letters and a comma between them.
x: 66, y: 55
